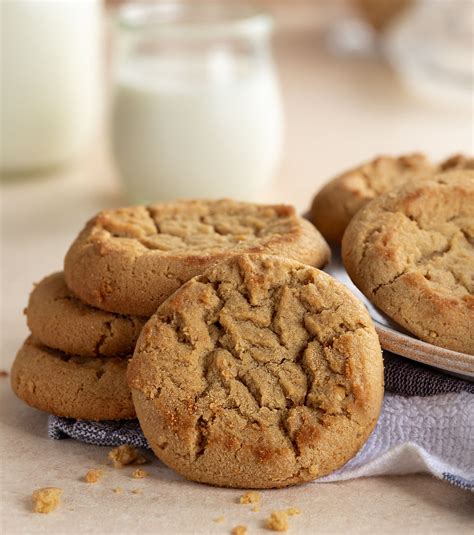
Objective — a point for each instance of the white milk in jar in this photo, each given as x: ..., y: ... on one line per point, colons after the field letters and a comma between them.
x: 51, y: 58
x: 196, y: 125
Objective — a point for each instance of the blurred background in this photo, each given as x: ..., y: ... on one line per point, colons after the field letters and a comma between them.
x: 111, y: 103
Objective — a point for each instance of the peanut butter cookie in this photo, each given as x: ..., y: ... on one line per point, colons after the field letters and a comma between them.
x: 59, y: 320
x: 71, y: 386
x: 262, y: 372
x: 411, y: 252
x: 130, y: 260
x: 340, y: 199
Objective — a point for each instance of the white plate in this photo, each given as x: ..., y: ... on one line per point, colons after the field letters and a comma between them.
x: 397, y: 340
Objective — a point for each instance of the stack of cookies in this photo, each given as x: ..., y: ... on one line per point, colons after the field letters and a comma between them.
x: 74, y: 363
x: 255, y: 370
x: 85, y: 322
x: 407, y: 232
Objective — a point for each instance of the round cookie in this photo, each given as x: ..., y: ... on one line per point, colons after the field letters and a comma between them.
x: 130, y: 260
x: 262, y: 372
x: 71, y: 386
x: 340, y: 199
x: 59, y: 320
x: 411, y: 252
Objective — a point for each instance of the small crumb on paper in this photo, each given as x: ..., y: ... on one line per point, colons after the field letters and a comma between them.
x: 250, y: 497
x: 239, y: 530
x: 256, y: 508
x: 93, y: 475
x: 292, y: 511
x: 139, y: 474
x: 118, y: 490
x: 124, y: 455
x: 47, y: 499
x: 277, y: 521
x: 3, y: 374
x: 218, y: 519
x: 137, y: 491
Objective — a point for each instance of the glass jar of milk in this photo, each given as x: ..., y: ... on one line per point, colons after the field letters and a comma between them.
x: 51, y: 58
x: 197, y: 109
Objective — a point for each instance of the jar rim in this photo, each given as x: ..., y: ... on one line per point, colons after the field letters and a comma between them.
x: 208, y: 18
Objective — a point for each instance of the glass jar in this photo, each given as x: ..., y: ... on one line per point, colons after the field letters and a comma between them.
x: 431, y: 46
x: 197, y: 109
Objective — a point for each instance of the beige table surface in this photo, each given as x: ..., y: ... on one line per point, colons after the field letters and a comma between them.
x: 339, y: 111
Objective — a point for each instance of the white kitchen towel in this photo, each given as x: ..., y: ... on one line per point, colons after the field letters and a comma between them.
x: 432, y: 434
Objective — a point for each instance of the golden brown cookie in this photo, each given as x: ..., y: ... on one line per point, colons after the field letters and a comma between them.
x: 262, y: 372
x: 340, y: 199
x: 411, y: 252
x: 59, y: 320
x: 130, y: 260
x: 71, y: 386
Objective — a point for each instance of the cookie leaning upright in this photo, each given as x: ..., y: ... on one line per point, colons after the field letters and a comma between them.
x: 262, y: 372
x: 411, y: 252
x: 130, y: 260
x: 339, y: 200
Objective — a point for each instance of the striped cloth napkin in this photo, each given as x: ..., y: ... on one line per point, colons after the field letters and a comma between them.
x: 426, y: 425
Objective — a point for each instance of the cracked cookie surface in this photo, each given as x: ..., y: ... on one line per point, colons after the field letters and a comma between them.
x: 411, y: 252
x: 262, y: 372
x: 71, y: 386
x: 130, y: 260
x: 61, y: 321
x: 339, y: 200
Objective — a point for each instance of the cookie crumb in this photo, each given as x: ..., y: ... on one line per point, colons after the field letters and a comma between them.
x: 256, y: 508
x: 277, y: 521
x: 3, y: 374
x: 218, y: 519
x: 118, y: 490
x: 47, y: 499
x: 137, y: 491
x: 250, y: 497
x: 239, y: 530
x: 93, y: 475
x: 139, y: 474
x: 292, y: 511
x: 124, y: 455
